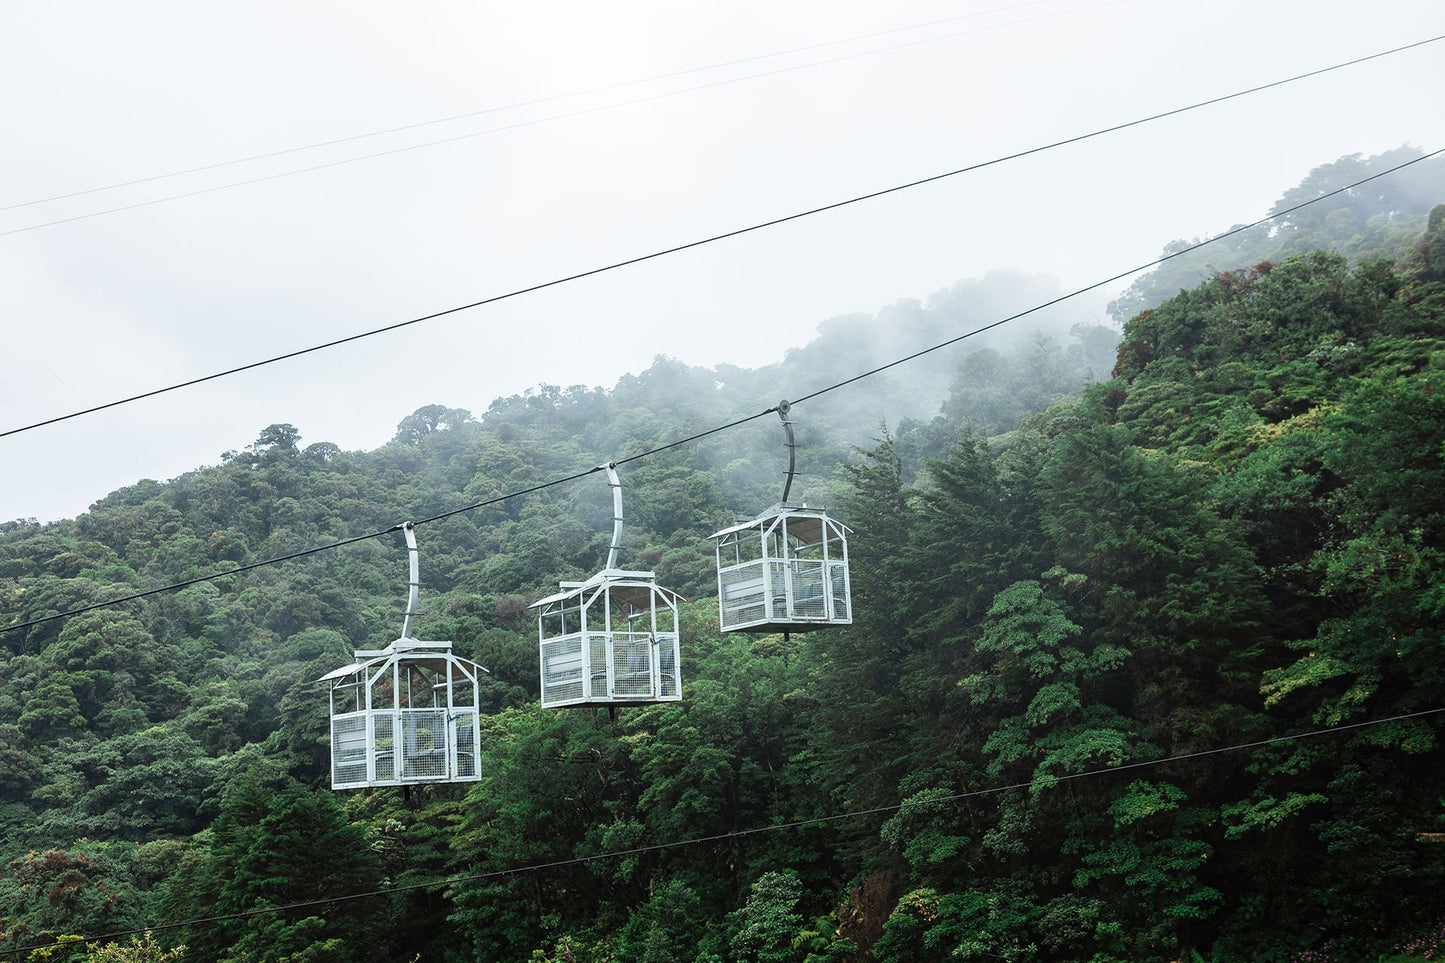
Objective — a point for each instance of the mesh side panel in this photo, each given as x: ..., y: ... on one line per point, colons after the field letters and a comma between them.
x: 424, y: 744
x: 466, y: 745
x: 778, y: 591
x: 670, y: 686
x: 348, y: 751
x: 597, y: 664
x: 562, y: 665
x: 632, y: 667
x: 742, y: 595
x: 808, y: 600
x: 842, y: 604
x: 383, y: 738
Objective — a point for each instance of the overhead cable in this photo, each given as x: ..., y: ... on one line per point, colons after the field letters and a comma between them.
x: 417, y: 125
x: 581, y: 112
x: 1110, y: 280
x: 704, y: 241
x: 732, y: 424
x: 1039, y: 782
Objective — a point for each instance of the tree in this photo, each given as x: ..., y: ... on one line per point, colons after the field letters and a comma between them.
x: 665, y: 928
x: 276, y: 845
x: 764, y: 929
x: 959, y: 547
x: 87, y: 888
x: 140, y: 949
x: 136, y: 786
x: 1435, y: 244
x: 272, y: 437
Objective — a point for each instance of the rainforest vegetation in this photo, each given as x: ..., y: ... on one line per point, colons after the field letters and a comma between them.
x: 1146, y: 662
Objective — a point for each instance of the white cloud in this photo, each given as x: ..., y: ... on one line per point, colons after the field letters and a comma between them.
x: 110, y: 305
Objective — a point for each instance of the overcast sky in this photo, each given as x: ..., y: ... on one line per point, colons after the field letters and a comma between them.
x: 595, y: 133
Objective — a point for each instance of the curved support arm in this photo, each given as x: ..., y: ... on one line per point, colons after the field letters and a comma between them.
x: 409, y: 529
x: 616, y: 514
x: 783, y: 409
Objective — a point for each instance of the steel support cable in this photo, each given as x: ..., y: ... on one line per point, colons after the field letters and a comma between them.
x: 616, y: 461
x: 1117, y: 277
x: 377, y: 534
x: 351, y: 138
x: 581, y: 112
x: 732, y: 424
x: 287, y: 558
x: 1045, y: 782
x: 738, y: 232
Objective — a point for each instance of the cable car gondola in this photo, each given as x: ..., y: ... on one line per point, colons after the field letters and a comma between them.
x: 405, y: 714
x: 785, y: 570
x: 611, y: 640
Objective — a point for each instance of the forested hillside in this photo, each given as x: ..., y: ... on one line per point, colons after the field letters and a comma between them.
x: 1146, y: 661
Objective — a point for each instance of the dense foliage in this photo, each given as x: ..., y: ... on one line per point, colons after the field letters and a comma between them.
x: 1094, y: 611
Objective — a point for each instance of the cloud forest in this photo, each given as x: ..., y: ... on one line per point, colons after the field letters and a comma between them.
x: 1145, y: 660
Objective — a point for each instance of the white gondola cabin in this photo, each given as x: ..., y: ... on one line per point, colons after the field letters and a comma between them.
x: 784, y: 571
x: 611, y: 640
x: 787, y: 569
x: 405, y: 714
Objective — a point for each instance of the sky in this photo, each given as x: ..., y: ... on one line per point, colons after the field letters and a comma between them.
x: 187, y: 188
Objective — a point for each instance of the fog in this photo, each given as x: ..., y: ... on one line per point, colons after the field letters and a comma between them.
x: 589, y: 136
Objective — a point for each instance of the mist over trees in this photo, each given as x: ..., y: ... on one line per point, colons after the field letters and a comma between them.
x: 1131, y: 603
x: 1383, y: 218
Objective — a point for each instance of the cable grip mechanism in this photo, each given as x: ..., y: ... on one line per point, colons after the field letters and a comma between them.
x: 783, y: 409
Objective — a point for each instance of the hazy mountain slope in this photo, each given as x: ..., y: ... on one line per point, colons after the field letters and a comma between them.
x: 1235, y: 539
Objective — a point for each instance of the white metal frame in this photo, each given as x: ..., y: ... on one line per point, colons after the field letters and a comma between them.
x: 613, y: 639
x: 405, y: 714
x: 609, y: 641
x: 409, y: 713
x: 784, y: 571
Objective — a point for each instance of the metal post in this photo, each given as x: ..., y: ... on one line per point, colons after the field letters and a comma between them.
x: 616, y: 514
x: 783, y: 408
x: 409, y: 530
